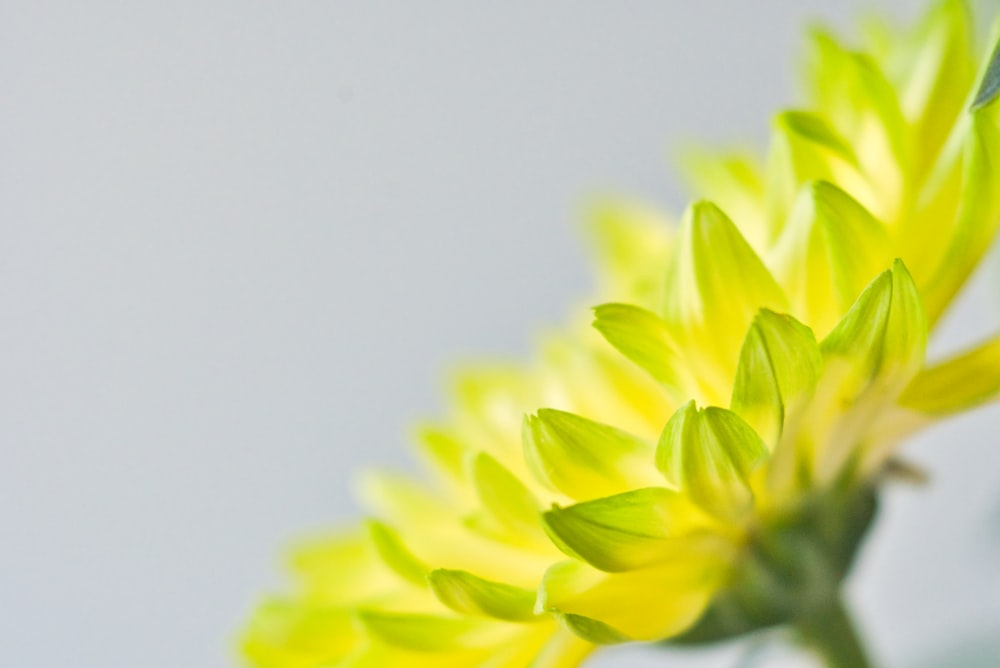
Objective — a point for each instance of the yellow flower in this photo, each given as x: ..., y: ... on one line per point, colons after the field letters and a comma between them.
x: 713, y: 470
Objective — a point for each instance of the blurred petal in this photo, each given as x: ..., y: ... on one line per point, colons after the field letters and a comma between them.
x: 471, y: 595
x: 957, y: 384
x: 585, y: 459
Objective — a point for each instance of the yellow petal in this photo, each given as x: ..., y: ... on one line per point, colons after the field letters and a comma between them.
x: 709, y: 455
x: 648, y: 604
x: 585, y: 459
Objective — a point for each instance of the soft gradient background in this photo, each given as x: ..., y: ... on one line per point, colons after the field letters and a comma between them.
x: 240, y: 241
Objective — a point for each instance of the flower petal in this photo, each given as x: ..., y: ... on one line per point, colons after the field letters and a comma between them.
x: 884, y: 335
x: 780, y: 364
x: 855, y: 95
x: 827, y: 254
x: 582, y: 458
x: 631, y: 244
x: 468, y: 594
x: 429, y: 633
x: 644, y: 338
x: 805, y: 147
x: 959, y: 383
x: 736, y: 183
x: 647, y: 604
x: 710, y: 454
x: 505, y: 498
x: 715, y: 286
x: 622, y: 532
x: 978, y: 217
x: 299, y: 635
x: 396, y: 555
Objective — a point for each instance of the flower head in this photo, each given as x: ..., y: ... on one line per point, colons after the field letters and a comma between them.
x: 713, y: 469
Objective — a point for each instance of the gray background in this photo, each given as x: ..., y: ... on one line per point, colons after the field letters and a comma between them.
x: 241, y: 240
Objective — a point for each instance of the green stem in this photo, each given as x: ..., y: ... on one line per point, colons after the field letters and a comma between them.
x: 831, y: 634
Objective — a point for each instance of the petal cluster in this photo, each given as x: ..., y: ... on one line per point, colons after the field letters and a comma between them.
x: 762, y: 357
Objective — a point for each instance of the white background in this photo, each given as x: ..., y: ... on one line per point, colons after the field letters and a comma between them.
x: 240, y: 241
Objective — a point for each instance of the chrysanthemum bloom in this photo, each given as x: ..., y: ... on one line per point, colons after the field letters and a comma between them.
x: 712, y: 470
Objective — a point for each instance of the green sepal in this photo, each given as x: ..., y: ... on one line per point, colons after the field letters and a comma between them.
x: 395, y: 554
x: 616, y: 533
x: 793, y: 565
x: 471, y: 595
x: 709, y: 454
x: 582, y: 458
x: 780, y: 363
